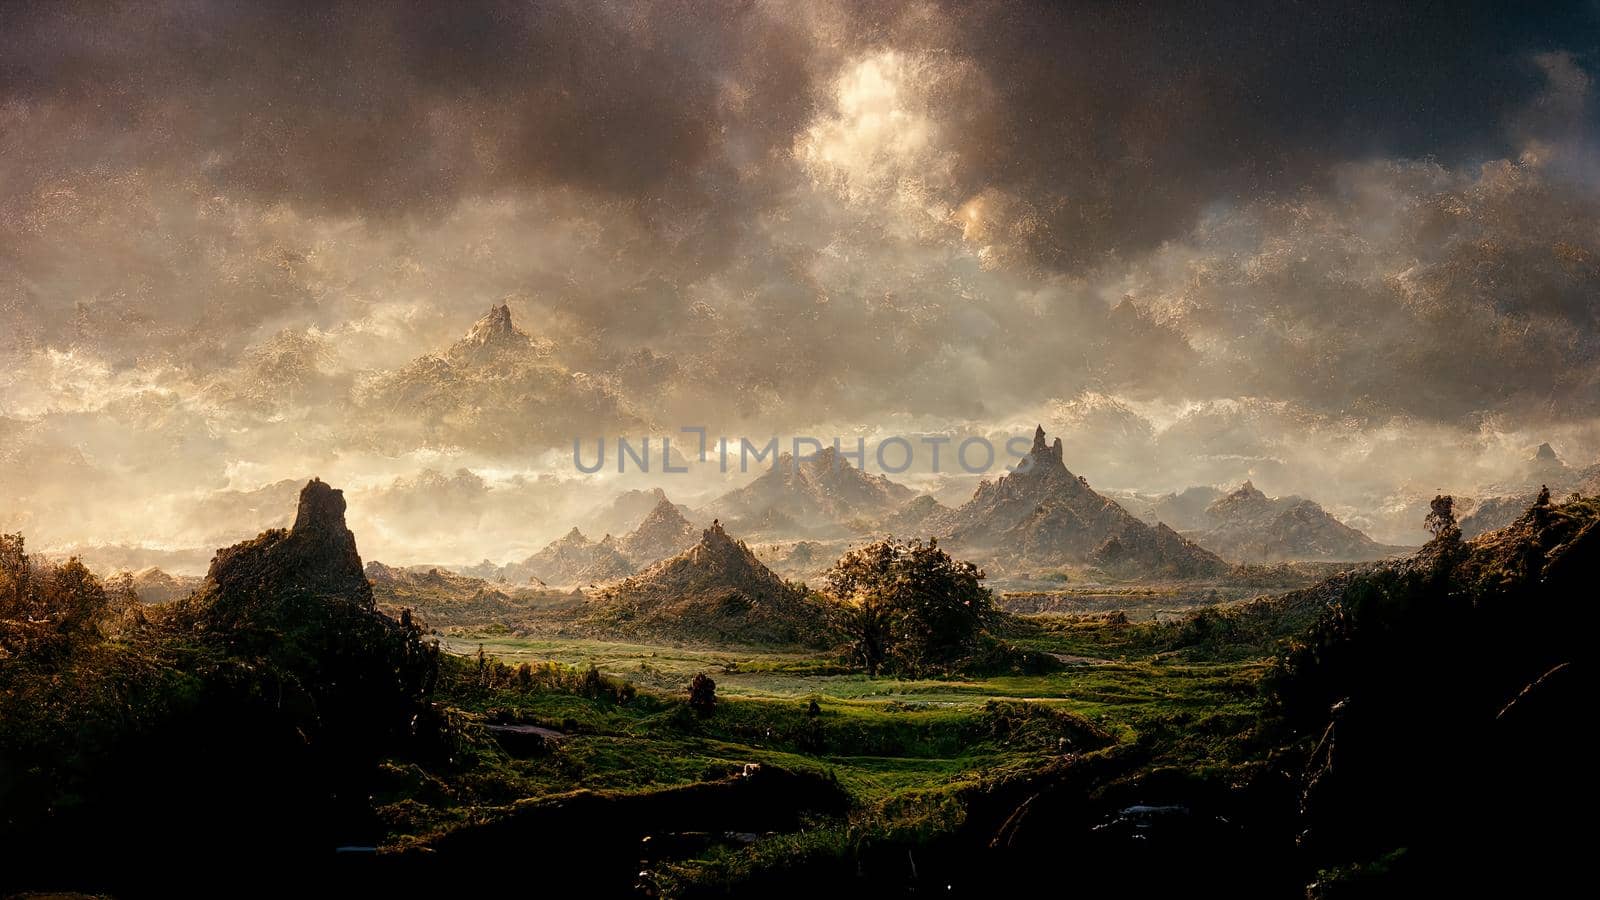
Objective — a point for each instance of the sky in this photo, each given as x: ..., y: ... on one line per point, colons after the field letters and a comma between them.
x: 1348, y: 250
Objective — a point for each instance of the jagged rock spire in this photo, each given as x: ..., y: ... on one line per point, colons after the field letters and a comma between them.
x: 1043, y: 450
x: 495, y: 329
x: 321, y: 509
x: 318, y: 556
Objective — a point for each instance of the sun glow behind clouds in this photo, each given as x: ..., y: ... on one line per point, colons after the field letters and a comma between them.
x: 881, y: 138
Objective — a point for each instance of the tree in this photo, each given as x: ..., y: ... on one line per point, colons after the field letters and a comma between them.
x: 1441, y: 520
x: 46, y: 605
x: 703, y: 694
x: 909, y: 605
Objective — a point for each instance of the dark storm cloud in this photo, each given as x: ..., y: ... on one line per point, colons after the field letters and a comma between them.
x: 381, y: 109
x: 1114, y: 123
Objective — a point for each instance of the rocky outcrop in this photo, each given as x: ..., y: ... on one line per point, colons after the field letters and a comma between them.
x: 1043, y: 515
x: 491, y: 334
x: 315, y: 558
x: 297, y: 603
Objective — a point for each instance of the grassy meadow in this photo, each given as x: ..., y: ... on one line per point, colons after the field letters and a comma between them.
x: 905, y: 751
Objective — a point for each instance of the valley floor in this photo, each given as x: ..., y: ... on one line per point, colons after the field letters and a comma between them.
x: 904, y: 752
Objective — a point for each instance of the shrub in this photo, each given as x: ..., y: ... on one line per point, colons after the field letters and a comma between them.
x: 703, y: 694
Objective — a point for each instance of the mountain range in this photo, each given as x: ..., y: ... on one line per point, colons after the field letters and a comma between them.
x: 574, y: 559
x: 1043, y: 514
x: 1248, y: 526
x: 821, y: 493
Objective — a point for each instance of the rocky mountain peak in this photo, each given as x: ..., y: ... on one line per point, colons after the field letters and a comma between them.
x: 1046, y: 455
x: 665, y: 511
x: 1047, y: 515
x: 1246, y: 502
x: 718, y: 558
x: 825, y: 460
x: 663, y: 533
x: 1248, y: 525
x: 715, y: 534
x: 716, y: 587
x: 820, y: 491
x: 489, y: 338
x: 494, y: 327
x: 1546, y: 453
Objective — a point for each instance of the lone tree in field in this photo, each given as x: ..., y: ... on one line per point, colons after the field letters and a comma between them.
x: 703, y: 694
x: 908, y: 605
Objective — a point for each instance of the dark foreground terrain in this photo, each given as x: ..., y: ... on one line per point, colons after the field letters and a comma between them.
x: 1411, y: 726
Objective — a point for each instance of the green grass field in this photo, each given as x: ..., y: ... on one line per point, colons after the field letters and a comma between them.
x: 891, y: 743
x: 1116, y: 690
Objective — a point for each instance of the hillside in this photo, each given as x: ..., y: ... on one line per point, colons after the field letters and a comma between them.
x: 715, y: 591
x: 1248, y: 526
x: 242, y: 723
x: 819, y: 492
x: 913, y: 517
x: 1047, y: 516
x: 1478, y: 644
x: 606, y: 563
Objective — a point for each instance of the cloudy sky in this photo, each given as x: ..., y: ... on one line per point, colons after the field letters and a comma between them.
x: 1347, y: 249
